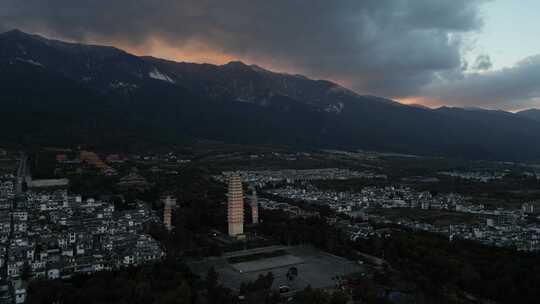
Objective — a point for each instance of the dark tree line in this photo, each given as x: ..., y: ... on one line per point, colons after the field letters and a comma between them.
x: 500, y: 274
x: 162, y: 283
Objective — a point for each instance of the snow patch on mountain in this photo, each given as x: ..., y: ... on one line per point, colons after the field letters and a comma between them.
x: 122, y: 85
x: 156, y: 74
x: 30, y: 61
x: 21, y: 48
x: 334, y: 108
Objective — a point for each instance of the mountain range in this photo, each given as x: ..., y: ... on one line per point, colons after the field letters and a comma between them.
x: 55, y: 92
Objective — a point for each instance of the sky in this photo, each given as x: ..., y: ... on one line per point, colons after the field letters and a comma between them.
x: 466, y: 53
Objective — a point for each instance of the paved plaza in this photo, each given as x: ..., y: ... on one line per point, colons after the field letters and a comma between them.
x: 315, y: 268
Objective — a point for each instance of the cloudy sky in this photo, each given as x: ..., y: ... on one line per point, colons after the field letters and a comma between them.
x: 473, y: 53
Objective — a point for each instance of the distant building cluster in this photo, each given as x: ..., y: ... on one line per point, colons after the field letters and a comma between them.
x: 497, y: 227
x: 77, y: 162
x: 292, y: 210
x: 133, y: 181
x: 476, y: 176
x: 263, y: 177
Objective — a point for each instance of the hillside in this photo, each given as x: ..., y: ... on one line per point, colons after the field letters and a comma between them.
x: 64, y: 93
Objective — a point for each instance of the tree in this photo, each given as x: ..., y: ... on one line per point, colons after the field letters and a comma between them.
x: 339, y: 297
x: 26, y: 272
x: 292, y: 273
x: 181, y: 295
x: 269, y: 280
x: 211, y: 279
x: 312, y: 296
x: 263, y: 282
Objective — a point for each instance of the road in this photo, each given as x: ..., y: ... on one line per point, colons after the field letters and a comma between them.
x: 22, y: 171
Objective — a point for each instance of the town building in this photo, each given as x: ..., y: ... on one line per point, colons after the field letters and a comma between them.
x: 133, y: 181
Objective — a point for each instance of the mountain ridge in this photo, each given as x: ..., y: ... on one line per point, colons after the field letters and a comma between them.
x: 164, y: 101
x: 530, y: 113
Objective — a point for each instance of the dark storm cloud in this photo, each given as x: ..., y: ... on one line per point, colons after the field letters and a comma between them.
x: 386, y: 47
x: 512, y: 88
x: 482, y: 63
